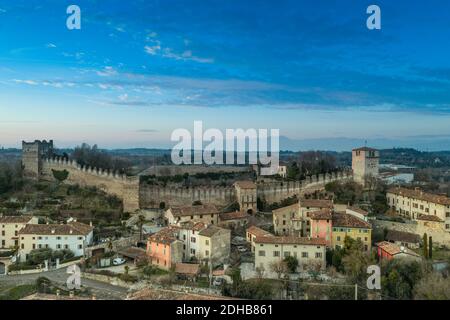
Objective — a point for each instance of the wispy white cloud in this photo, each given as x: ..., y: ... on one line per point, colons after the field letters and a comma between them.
x: 51, y: 45
x: 107, y: 71
x: 30, y: 82
x: 154, y: 48
x: 186, y: 55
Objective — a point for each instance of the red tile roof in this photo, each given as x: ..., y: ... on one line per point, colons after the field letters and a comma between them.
x: 234, y: 215
x: 165, y: 236
x: 71, y: 228
x: 187, y: 268
x: 212, y: 230
x: 429, y: 217
x: 349, y: 221
x: 294, y: 206
x: 324, y: 214
x: 359, y: 210
x: 292, y: 240
x: 194, y: 210
x: 420, y: 195
x: 316, y: 203
x: 258, y: 232
x: 394, y: 249
x: 15, y: 219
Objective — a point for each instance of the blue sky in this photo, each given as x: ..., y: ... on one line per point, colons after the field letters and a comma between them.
x: 139, y: 69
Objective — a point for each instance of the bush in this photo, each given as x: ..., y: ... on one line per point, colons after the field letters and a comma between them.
x: 128, y: 278
x: 6, y: 253
x: 19, y: 292
x: 60, y: 176
x: 292, y: 263
x: 20, y: 266
x: 152, y: 270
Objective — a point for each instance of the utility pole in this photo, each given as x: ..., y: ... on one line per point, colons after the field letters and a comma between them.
x: 356, y: 291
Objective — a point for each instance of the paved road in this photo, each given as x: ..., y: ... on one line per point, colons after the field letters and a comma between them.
x: 102, y: 290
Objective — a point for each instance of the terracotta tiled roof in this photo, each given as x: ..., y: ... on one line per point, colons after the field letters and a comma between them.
x: 218, y: 272
x: 234, y: 215
x: 246, y: 184
x: 420, y: 195
x: 192, y: 225
x: 72, y: 228
x: 429, y: 217
x: 194, y: 210
x: 294, y: 206
x: 324, y: 214
x: 394, y: 249
x: 187, y: 268
x: 258, y: 232
x: 316, y: 203
x: 349, y: 221
x: 394, y: 235
x: 359, y: 210
x: 165, y: 236
x: 132, y: 252
x: 15, y: 219
x: 292, y: 240
x: 211, y: 230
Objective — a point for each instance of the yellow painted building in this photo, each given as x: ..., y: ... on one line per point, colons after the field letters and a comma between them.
x: 10, y: 227
x: 346, y: 225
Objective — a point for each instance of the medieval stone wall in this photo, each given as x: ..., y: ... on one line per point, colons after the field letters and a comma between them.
x: 172, y: 170
x: 276, y: 191
x: 125, y: 188
x: 151, y: 196
x: 135, y: 195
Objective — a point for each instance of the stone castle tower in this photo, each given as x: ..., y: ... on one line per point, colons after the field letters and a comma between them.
x: 365, y: 163
x: 32, y: 155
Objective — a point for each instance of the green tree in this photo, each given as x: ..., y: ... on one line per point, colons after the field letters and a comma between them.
x: 430, y: 249
x: 292, y: 263
x: 60, y: 175
x: 425, y: 246
x: 38, y: 256
x: 293, y: 171
x: 141, y: 221
x: 399, y: 278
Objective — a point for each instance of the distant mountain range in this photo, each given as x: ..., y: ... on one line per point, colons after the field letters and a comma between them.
x: 421, y: 143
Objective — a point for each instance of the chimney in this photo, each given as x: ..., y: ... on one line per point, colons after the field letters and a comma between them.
x: 71, y: 294
x: 90, y: 223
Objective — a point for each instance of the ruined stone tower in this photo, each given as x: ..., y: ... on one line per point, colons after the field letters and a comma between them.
x: 32, y: 155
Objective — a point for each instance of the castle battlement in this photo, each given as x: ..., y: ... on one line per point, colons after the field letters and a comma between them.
x: 39, y: 161
x: 64, y: 163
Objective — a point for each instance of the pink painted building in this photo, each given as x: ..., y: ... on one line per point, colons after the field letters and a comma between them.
x: 164, y: 250
x: 321, y: 225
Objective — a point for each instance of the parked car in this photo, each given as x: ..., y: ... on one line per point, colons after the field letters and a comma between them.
x: 119, y: 261
x: 242, y: 249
